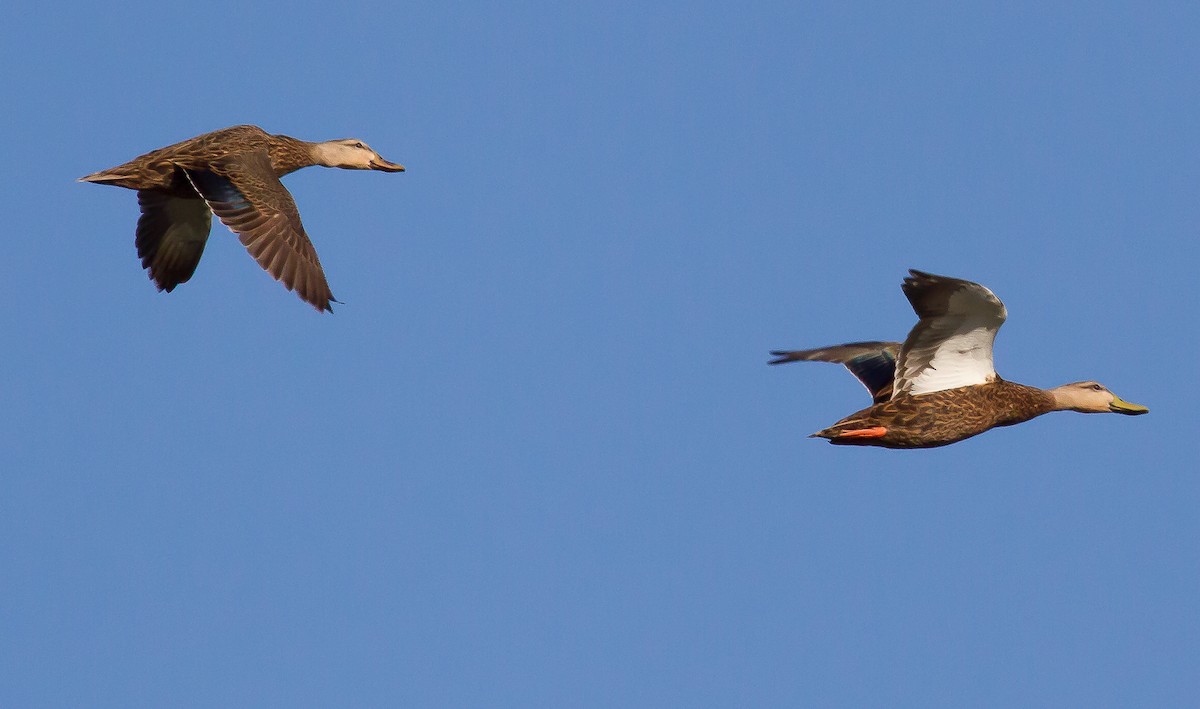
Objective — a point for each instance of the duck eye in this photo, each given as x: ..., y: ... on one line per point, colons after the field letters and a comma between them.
x: 359, y: 145
x: 1097, y: 387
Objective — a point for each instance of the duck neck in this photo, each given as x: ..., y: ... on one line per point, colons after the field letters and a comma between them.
x: 290, y: 154
x: 1041, y: 400
x: 1023, y: 402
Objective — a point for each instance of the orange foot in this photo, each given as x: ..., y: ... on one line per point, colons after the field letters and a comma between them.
x: 876, y: 432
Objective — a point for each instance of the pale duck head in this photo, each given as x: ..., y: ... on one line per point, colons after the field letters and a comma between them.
x: 1093, y: 398
x: 352, y: 154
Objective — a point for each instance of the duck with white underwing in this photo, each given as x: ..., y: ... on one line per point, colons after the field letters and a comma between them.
x: 940, y: 387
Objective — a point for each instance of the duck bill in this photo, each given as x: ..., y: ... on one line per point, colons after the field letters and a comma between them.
x: 1120, y: 406
x: 385, y: 166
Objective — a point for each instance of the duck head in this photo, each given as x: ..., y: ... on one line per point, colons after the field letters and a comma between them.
x: 1093, y: 398
x: 352, y: 154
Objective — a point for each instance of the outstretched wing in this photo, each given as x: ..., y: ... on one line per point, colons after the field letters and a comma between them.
x: 874, y: 363
x: 247, y: 197
x: 951, y: 345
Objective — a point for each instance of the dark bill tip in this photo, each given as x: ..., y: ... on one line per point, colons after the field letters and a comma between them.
x: 385, y: 166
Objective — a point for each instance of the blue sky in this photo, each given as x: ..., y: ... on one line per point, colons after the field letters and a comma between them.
x: 537, y: 458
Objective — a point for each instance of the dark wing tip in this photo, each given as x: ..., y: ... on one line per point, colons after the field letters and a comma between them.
x: 928, y: 293
x: 920, y: 279
x: 323, y: 302
x: 329, y: 304
x: 781, y: 356
x: 924, y: 279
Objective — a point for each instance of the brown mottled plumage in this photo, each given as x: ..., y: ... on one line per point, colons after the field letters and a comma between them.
x: 939, y: 387
x: 943, y: 417
x: 233, y: 173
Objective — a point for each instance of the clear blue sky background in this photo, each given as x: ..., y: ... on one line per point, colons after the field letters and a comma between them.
x: 537, y: 458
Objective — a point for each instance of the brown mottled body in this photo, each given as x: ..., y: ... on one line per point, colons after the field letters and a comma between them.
x: 158, y: 169
x: 959, y: 413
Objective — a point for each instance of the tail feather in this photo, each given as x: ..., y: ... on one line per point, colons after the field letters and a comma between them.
x: 103, y: 177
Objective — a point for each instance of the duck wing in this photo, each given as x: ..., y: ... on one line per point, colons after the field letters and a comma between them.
x: 244, y: 193
x: 171, y: 234
x: 873, y: 363
x: 951, y: 344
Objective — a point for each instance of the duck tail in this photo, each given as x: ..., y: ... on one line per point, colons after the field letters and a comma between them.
x: 104, y: 177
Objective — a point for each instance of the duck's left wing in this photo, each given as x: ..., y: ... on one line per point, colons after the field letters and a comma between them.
x: 873, y: 363
x: 951, y: 345
x: 171, y: 234
x: 247, y: 197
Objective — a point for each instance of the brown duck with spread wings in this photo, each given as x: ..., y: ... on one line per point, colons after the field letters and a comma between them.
x: 233, y: 173
x: 940, y: 386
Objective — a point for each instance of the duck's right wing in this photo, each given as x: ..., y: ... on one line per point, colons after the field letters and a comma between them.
x: 247, y: 197
x: 951, y: 345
